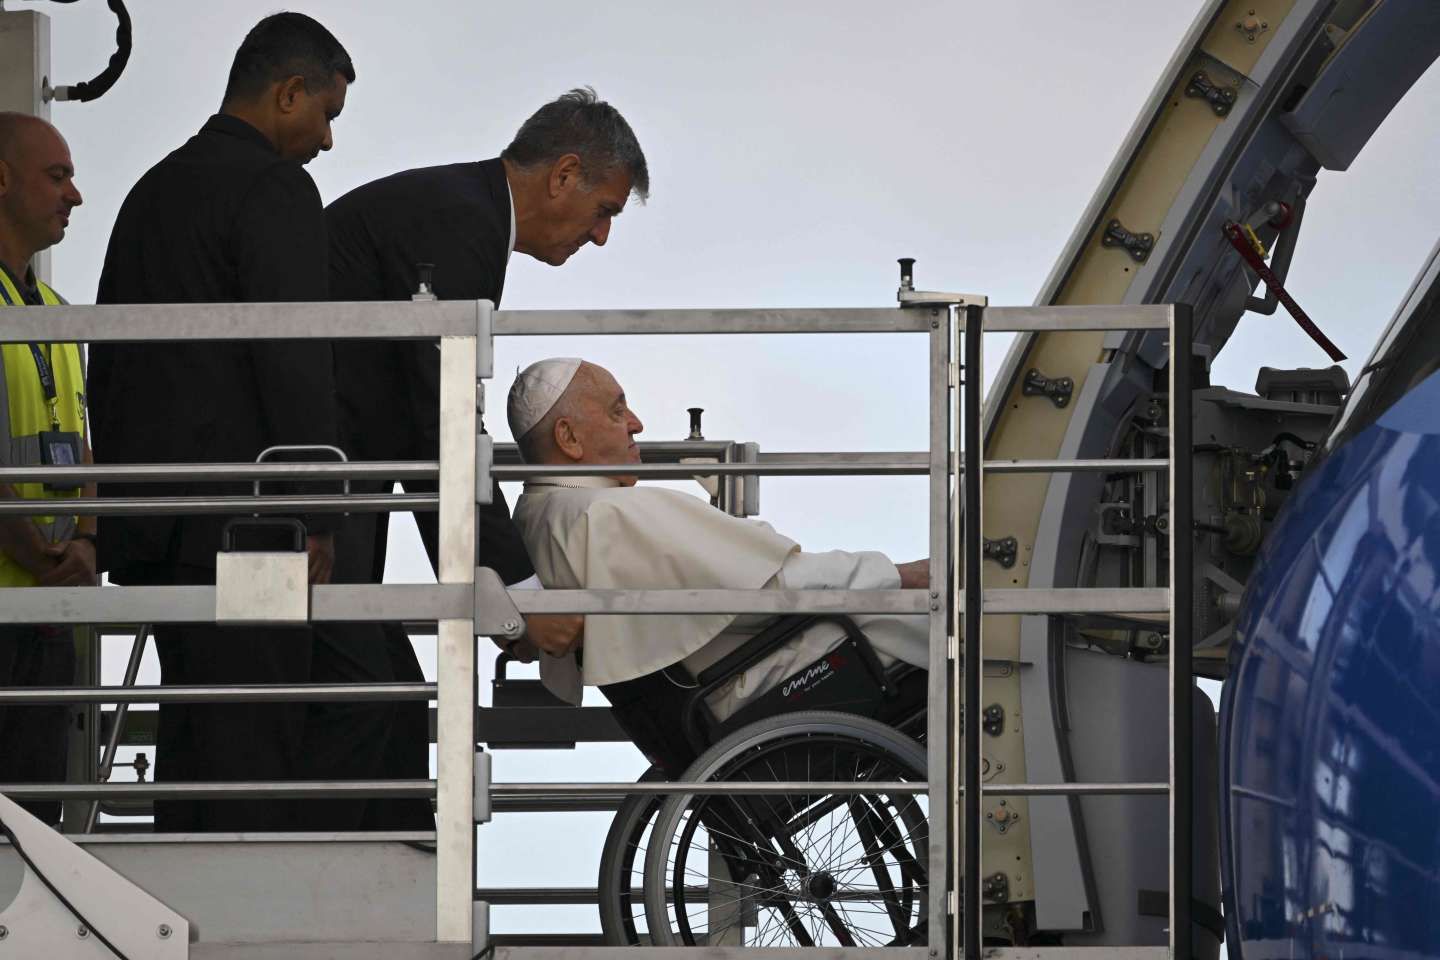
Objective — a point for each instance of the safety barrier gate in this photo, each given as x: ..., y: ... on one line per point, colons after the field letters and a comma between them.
x: 470, y: 602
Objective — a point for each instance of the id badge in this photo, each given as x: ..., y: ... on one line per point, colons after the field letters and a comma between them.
x: 60, y: 448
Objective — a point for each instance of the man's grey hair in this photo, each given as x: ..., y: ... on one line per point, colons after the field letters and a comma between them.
x: 579, y: 122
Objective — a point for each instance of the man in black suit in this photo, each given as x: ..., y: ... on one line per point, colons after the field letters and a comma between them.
x: 230, y: 216
x: 558, y: 186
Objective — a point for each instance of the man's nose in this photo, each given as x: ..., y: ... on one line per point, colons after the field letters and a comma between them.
x: 635, y: 425
x: 72, y: 196
x: 329, y: 140
x: 601, y: 233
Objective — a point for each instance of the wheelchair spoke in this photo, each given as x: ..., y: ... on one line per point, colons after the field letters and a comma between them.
x: 798, y: 869
x: 863, y: 817
x: 837, y: 926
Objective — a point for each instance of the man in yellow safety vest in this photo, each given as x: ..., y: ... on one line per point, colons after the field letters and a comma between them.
x: 42, y: 422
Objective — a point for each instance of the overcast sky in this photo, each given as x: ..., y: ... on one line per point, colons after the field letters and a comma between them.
x: 796, y: 149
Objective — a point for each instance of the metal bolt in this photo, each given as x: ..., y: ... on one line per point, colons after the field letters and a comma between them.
x: 934, y: 594
x: 934, y: 324
x: 934, y: 606
x: 5, y: 932
x: 81, y: 932
x: 510, y: 626
x: 164, y: 931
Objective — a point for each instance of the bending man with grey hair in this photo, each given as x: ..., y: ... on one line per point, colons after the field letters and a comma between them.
x: 557, y: 187
x: 594, y: 532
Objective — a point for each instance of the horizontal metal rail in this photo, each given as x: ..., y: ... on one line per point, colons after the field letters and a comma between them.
x: 1034, y: 319
x: 1076, y: 600
x: 745, y: 788
x: 271, y: 789
x: 534, y: 792
x: 545, y: 803
x: 1073, y: 600
x: 225, y: 506
x: 414, y: 602
x: 530, y: 323
x: 222, y: 693
x: 334, y: 603
x: 1076, y: 466
x: 553, y: 896
x: 547, y: 323
x: 188, y: 322
x: 769, y: 465
x: 722, y: 601
x: 224, y: 472
x: 682, y: 471
x: 1072, y: 789
x: 514, y: 896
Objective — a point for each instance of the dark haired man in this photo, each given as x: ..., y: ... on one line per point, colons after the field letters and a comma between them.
x: 230, y: 216
x: 557, y: 187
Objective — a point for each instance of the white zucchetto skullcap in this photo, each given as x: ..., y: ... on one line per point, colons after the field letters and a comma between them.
x: 536, y: 390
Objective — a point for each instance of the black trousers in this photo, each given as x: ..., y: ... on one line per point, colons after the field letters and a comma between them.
x: 249, y: 742
x: 33, y: 738
x: 360, y: 558
x: 649, y: 709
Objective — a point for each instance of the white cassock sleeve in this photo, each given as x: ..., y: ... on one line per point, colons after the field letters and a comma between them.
x: 654, y: 539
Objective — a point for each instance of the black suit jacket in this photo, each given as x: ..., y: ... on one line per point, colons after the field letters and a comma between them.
x: 222, y: 219
x: 456, y: 217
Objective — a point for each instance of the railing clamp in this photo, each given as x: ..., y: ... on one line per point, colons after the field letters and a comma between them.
x: 1002, y: 550
x: 1221, y: 99
x: 1058, y: 389
x: 495, y: 613
x: 1138, y: 245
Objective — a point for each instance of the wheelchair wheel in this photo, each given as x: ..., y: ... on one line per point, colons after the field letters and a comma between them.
x: 794, y: 870
x: 622, y: 862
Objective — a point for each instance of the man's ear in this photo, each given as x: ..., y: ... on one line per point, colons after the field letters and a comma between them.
x: 287, y: 94
x: 564, y: 175
x: 567, y: 441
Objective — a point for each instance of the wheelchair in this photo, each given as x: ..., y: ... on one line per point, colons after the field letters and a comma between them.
x: 773, y: 870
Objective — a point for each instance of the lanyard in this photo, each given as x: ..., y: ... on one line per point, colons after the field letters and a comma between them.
x: 46, y: 373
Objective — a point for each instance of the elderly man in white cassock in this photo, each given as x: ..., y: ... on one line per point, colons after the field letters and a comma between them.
x: 607, y: 533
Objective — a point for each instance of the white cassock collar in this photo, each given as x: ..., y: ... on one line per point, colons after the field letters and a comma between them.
x: 573, y: 482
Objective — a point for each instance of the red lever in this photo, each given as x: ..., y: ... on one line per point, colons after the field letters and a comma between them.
x: 1241, y: 243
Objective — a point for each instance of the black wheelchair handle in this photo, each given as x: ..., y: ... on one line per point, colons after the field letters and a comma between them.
x: 227, y: 532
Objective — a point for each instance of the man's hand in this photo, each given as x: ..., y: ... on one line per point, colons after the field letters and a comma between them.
x: 555, y: 633
x: 73, y: 565
x: 914, y: 575
x: 321, y: 548
x: 519, y: 649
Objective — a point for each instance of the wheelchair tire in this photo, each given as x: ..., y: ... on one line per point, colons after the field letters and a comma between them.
x: 622, y: 864
x: 796, y: 874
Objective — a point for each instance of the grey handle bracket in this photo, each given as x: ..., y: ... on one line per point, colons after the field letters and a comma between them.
x: 495, y: 613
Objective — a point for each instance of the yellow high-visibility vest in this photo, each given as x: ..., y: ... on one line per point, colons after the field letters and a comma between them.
x: 25, y: 413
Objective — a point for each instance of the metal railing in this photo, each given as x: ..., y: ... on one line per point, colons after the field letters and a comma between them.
x: 464, y: 605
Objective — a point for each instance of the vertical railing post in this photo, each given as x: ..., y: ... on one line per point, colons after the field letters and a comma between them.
x: 937, y: 721
x: 973, y: 660
x: 1182, y: 680
x: 455, y: 638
